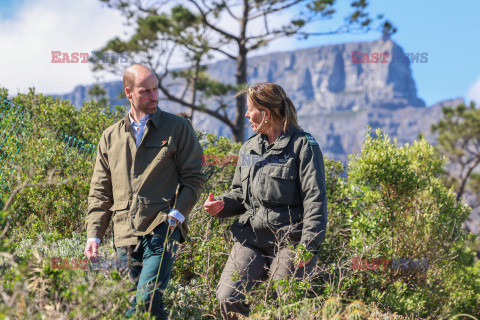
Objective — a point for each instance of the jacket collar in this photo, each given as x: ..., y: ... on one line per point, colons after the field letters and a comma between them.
x: 155, y: 119
x: 283, y: 139
x: 278, y: 146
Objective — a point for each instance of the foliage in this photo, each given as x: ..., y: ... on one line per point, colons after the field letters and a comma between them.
x: 46, y: 155
x: 398, y: 189
x: 400, y: 209
x: 327, y: 309
x: 391, y: 203
x: 99, y: 94
x: 459, y: 140
x: 32, y: 289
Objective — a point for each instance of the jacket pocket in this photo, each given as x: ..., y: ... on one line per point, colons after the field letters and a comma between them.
x: 152, y: 200
x: 286, y: 222
x: 121, y: 222
x: 119, y: 205
x: 157, y: 150
x: 241, y: 221
x: 278, y: 184
x: 242, y: 232
x: 285, y: 215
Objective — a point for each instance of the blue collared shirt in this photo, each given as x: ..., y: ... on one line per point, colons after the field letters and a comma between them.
x: 139, y: 127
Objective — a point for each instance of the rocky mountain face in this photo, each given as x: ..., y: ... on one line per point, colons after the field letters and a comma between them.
x: 338, y: 90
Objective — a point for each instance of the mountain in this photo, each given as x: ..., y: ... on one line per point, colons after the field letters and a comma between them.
x: 337, y: 89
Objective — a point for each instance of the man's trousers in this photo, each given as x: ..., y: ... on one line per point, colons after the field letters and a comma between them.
x: 150, y: 265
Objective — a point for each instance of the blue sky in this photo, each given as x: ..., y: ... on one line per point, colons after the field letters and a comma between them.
x: 446, y: 30
x: 8, y: 8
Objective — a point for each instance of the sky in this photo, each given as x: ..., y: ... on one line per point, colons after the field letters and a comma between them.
x: 31, y: 29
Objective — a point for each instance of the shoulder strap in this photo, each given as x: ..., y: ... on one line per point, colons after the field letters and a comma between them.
x: 310, y: 138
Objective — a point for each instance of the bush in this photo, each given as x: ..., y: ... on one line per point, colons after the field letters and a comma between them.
x: 54, y: 163
x: 400, y: 209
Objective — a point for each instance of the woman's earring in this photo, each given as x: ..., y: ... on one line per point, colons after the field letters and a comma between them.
x: 266, y: 121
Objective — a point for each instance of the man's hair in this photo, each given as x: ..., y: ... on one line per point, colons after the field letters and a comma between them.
x: 129, y: 79
x: 131, y: 73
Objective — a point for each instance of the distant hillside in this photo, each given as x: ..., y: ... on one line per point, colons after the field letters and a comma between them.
x: 336, y: 98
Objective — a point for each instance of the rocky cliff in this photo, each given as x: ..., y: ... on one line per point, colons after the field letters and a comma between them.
x: 337, y: 89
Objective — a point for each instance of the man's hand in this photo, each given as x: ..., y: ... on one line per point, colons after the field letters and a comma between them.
x: 91, y: 251
x: 172, y: 228
x: 212, y: 206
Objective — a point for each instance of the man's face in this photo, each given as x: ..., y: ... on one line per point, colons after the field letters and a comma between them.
x: 144, y: 94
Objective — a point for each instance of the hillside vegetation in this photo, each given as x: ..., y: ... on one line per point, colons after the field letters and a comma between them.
x: 395, y: 247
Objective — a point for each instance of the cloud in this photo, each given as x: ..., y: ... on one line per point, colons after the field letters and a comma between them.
x: 474, y: 92
x: 41, y: 26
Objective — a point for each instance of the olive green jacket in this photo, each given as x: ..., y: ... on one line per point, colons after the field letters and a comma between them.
x: 136, y: 188
x: 278, y: 190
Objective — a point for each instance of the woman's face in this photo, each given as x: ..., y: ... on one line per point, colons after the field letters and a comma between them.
x: 255, y: 117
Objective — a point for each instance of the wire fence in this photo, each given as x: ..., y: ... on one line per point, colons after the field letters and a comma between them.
x: 12, y: 118
x: 12, y: 137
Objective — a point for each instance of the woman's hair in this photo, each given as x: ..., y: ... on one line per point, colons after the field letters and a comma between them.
x: 267, y: 95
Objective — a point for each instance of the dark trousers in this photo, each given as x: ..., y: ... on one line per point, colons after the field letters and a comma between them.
x: 246, y: 266
x: 149, y: 266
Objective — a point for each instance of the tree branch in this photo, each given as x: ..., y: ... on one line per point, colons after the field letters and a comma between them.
x: 231, y: 56
x: 229, y: 11
x: 210, y: 25
x: 173, y: 98
x: 465, y: 179
x: 277, y: 9
x: 50, y: 182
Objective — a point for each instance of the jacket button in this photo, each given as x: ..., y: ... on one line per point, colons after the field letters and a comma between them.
x: 291, y: 177
x: 135, y: 176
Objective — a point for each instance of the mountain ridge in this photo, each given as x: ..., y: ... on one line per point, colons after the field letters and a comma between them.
x: 336, y: 98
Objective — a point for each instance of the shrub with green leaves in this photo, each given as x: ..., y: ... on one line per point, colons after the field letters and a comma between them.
x: 55, y: 170
x: 401, y: 209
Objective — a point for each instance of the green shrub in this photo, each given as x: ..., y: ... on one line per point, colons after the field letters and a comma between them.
x: 400, y: 209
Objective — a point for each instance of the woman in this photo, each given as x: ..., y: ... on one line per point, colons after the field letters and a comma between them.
x: 278, y: 191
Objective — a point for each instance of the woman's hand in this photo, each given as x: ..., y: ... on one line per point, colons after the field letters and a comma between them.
x: 302, y: 256
x: 299, y: 262
x: 212, y: 206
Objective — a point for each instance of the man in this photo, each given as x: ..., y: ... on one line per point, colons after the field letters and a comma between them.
x: 147, y: 178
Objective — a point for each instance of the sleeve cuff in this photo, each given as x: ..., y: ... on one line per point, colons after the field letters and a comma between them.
x: 177, y: 215
x: 93, y: 239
